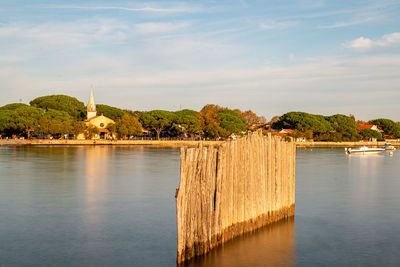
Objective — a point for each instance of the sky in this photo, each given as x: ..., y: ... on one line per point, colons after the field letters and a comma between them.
x: 318, y: 56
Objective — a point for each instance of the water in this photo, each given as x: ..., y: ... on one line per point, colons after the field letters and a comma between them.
x: 115, y: 206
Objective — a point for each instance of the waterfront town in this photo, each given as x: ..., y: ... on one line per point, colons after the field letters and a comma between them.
x: 65, y: 117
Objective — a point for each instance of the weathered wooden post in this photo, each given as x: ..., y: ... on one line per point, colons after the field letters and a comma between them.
x: 232, y: 189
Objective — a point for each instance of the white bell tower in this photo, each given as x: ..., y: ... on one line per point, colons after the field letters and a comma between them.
x: 91, y: 107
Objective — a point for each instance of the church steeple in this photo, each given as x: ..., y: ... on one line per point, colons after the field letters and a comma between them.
x: 91, y: 107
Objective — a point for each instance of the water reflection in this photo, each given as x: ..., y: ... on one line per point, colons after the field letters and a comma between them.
x: 115, y: 206
x: 96, y: 189
x: 270, y: 246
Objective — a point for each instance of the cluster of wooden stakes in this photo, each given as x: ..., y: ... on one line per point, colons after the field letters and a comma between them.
x: 232, y: 189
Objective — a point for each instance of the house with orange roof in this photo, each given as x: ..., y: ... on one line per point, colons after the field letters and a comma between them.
x: 286, y: 131
x: 370, y: 127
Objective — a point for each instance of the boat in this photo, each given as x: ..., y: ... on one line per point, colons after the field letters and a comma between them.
x: 389, y: 146
x: 364, y: 150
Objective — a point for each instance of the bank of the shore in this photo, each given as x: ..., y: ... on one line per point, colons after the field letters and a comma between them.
x: 175, y: 143
x: 170, y: 143
x: 344, y: 144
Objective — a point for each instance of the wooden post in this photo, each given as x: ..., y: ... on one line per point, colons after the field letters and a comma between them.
x: 233, y: 189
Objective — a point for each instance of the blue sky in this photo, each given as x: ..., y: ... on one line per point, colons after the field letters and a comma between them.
x: 322, y: 57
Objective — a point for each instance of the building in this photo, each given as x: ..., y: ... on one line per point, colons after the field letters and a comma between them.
x: 287, y: 131
x: 370, y: 127
x: 290, y: 132
x: 100, y: 122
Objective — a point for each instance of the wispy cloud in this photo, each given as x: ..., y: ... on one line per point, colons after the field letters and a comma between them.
x: 271, y: 25
x: 152, y: 9
x: 370, y: 11
x: 347, y: 23
x: 65, y: 33
x: 160, y: 28
x: 364, y: 44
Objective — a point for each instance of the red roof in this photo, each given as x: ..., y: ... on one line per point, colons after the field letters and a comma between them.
x: 288, y: 130
x: 280, y: 134
x: 389, y: 136
x: 367, y: 126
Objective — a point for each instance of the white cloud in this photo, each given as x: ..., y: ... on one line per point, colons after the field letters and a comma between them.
x: 364, y: 44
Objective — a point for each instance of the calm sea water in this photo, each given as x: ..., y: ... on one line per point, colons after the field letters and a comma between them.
x: 115, y: 206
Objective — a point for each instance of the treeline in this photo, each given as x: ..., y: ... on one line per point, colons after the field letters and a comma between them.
x: 334, y: 128
x: 59, y: 115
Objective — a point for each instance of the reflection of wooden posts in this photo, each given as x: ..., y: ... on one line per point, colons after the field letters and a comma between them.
x: 233, y: 189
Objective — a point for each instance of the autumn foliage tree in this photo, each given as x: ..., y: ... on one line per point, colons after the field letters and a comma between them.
x: 221, y: 122
x: 251, y: 119
x: 211, y: 122
x: 78, y: 127
x: 91, y: 132
x: 127, y: 126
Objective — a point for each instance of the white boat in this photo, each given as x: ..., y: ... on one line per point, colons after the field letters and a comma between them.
x: 364, y: 150
x: 389, y: 146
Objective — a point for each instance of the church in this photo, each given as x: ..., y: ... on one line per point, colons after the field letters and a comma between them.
x: 100, y: 122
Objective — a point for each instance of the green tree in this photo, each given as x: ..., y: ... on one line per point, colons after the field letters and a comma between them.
x: 135, y: 113
x: 303, y: 122
x: 71, y: 105
x: 13, y: 106
x: 24, y: 119
x: 157, y: 120
x: 368, y: 133
x: 111, y: 112
x: 187, y: 121
x: 6, y: 125
x: 21, y: 120
x: 59, y: 127
x: 389, y: 127
x: 345, y: 127
x: 232, y: 122
x: 58, y: 115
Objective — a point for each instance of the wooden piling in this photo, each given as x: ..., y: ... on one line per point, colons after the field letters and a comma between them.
x: 232, y: 189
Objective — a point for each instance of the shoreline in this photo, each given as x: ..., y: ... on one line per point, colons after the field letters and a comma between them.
x: 178, y: 143
x: 345, y: 144
x: 62, y: 142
